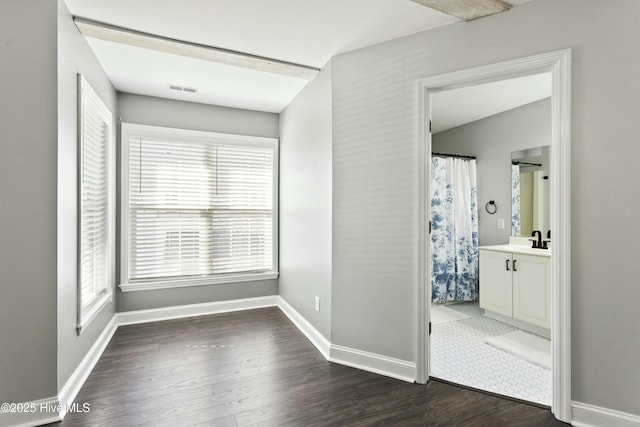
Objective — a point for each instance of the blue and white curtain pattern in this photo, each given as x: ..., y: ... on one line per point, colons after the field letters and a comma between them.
x: 454, y: 230
x: 515, y: 200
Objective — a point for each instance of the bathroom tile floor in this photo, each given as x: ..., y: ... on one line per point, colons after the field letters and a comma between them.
x: 459, y: 354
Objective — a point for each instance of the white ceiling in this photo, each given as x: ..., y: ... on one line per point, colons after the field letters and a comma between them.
x: 456, y: 107
x: 300, y: 31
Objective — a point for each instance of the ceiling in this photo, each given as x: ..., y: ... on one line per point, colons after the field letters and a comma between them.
x: 456, y: 107
x: 299, y: 31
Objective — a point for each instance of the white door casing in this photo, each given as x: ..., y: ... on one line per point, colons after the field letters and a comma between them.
x: 559, y: 64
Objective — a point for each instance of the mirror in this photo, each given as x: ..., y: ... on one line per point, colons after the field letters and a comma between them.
x: 530, y: 191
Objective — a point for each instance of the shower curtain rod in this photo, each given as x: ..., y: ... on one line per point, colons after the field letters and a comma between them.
x: 457, y: 156
x: 515, y: 163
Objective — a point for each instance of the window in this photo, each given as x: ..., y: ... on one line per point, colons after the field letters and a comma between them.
x: 198, y: 208
x: 95, y: 152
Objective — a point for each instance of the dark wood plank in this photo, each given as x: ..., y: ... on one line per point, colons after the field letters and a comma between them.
x: 254, y: 368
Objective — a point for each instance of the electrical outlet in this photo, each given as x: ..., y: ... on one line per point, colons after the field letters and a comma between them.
x: 500, y: 223
x: 318, y: 304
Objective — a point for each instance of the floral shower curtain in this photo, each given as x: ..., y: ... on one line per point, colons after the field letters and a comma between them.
x: 454, y: 234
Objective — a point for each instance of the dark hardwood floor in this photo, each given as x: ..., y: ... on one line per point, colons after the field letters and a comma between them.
x: 254, y: 368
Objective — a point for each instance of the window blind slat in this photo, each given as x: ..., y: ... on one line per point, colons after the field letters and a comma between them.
x: 199, y: 208
x: 94, y: 199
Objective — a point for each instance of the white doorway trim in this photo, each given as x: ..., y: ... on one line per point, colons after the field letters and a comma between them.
x: 559, y: 64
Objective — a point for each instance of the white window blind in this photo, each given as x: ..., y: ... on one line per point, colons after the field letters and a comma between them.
x: 94, y: 263
x: 198, y: 204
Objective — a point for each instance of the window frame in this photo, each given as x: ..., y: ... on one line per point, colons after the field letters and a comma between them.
x: 88, y: 100
x: 134, y: 130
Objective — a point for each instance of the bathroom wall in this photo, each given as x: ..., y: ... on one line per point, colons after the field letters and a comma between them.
x: 492, y: 140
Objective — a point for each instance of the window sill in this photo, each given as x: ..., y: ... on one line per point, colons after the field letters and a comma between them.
x: 93, y: 310
x: 177, y: 283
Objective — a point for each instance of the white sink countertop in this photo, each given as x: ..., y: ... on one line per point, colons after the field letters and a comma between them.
x: 518, y: 249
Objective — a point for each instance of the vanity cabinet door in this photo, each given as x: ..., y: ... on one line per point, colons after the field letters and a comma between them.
x: 531, y: 299
x: 496, y: 282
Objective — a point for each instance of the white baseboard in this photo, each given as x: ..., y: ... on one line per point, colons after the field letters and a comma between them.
x: 372, y: 362
x: 70, y: 390
x: 383, y: 365
x: 585, y: 415
x: 317, y: 339
x: 29, y: 414
x: 177, y: 312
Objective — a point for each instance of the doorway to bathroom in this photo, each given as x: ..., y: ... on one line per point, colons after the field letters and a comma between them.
x: 474, y: 341
x: 479, y: 339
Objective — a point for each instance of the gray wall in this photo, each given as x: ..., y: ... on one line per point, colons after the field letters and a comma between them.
x: 375, y: 239
x: 74, y: 56
x: 28, y: 126
x: 148, y: 110
x: 305, y: 202
x: 187, y: 115
x: 492, y: 140
x: 375, y: 179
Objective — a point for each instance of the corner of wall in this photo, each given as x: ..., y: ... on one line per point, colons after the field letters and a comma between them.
x: 306, y: 135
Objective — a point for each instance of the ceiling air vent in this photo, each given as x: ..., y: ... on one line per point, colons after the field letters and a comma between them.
x: 183, y: 88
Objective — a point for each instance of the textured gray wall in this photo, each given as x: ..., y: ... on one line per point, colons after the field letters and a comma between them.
x: 305, y: 202
x: 28, y: 126
x: 74, y: 56
x: 187, y: 115
x: 375, y: 179
x: 492, y: 140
